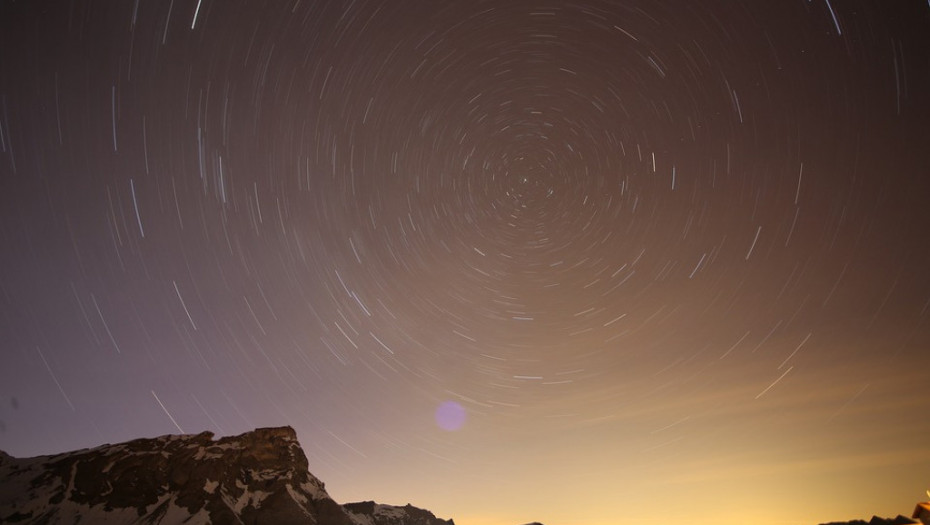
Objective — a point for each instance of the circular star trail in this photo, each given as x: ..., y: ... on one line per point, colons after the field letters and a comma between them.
x: 509, y: 261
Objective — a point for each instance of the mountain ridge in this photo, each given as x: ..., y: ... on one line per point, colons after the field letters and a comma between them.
x: 257, y: 477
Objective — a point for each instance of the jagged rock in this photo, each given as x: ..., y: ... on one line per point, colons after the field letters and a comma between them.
x: 900, y: 520
x: 371, y: 513
x: 259, y: 477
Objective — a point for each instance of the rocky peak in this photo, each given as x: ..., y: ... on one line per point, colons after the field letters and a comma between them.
x: 155, y: 480
x: 900, y: 520
x: 256, y: 477
x: 366, y: 512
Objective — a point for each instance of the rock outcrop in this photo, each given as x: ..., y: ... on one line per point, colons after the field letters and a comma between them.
x: 371, y: 513
x: 900, y: 520
x: 260, y: 477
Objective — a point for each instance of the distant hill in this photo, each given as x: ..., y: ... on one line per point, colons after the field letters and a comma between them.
x: 900, y: 520
x: 260, y: 477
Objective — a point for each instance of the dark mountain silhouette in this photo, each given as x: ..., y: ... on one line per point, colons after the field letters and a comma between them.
x: 900, y: 520
x: 260, y: 477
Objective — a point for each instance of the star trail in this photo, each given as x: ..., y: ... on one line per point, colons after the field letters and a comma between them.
x: 572, y: 262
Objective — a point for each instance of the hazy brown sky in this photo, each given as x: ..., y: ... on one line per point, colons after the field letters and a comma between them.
x: 667, y: 258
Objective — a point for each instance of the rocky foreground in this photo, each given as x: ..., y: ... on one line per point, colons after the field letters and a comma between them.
x: 260, y: 477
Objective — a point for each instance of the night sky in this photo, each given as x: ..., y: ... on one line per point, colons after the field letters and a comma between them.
x: 577, y: 262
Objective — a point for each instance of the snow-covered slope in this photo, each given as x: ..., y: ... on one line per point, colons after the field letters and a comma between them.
x: 371, y: 513
x: 255, y: 478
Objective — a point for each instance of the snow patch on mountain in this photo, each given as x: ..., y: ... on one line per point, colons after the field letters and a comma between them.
x: 257, y: 477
